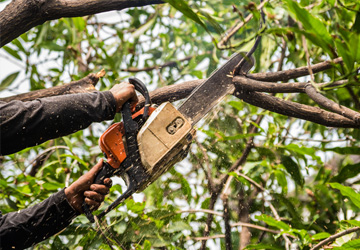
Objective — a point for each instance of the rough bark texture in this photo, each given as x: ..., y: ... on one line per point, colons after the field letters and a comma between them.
x: 19, y: 16
x: 84, y: 85
x: 294, y: 73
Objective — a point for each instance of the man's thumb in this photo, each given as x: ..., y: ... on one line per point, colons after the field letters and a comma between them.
x: 96, y: 169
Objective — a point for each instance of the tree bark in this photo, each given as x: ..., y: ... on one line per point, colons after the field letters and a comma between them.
x: 19, y: 16
x: 86, y: 84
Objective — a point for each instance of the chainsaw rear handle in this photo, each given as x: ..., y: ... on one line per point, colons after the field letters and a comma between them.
x: 131, y: 128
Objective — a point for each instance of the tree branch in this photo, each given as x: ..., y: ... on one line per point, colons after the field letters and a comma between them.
x: 232, y: 31
x: 294, y: 73
x: 19, y: 16
x: 331, y: 105
x: 334, y: 237
x: 247, y: 84
x: 167, y: 64
x: 83, y: 85
x: 296, y: 110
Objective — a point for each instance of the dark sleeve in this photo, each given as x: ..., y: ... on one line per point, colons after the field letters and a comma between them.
x: 22, y: 229
x: 26, y: 124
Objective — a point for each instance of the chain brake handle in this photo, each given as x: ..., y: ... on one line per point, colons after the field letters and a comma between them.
x: 131, y: 167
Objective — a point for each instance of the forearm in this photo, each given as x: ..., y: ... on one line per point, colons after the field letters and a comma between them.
x: 26, y: 124
x: 19, y: 230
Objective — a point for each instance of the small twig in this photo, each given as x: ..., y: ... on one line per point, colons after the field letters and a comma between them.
x: 67, y: 178
x: 282, y: 55
x: 37, y: 162
x: 209, y: 219
x: 232, y: 31
x: 167, y: 64
x: 314, y: 140
x: 208, y: 211
x: 228, y: 243
x: 243, y: 224
x: 225, y: 198
x: 251, y: 181
x: 277, y: 217
x: 205, y: 238
x: 334, y: 237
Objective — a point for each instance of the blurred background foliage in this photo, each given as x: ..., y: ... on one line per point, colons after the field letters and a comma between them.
x: 309, y: 174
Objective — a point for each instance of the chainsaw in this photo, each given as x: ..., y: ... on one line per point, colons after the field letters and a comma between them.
x: 146, y: 144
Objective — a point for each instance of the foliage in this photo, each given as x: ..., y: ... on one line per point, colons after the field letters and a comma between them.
x: 308, y: 172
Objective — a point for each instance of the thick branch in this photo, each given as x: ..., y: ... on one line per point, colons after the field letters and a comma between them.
x: 296, y: 110
x: 19, y: 16
x: 331, y: 105
x: 248, y: 84
x: 294, y: 73
x: 83, y: 85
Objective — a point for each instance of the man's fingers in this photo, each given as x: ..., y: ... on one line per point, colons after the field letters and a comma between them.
x: 92, y: 204
x: 108, y: 182
x: 91, y: 195
x: 101, y: 189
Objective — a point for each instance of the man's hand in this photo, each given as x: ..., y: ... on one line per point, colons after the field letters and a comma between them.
x: 84, y: 189
x: 123, y: 92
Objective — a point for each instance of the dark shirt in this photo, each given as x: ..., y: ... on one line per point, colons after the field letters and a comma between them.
x: 22, y: 229
x: 25, y: 124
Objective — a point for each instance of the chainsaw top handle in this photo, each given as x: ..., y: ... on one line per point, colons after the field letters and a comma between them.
x: 140, y: 86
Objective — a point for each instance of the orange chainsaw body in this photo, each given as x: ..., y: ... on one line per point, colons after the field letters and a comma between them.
x: 112, y: 144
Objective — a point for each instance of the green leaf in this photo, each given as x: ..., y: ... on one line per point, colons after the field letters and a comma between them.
x: 349, y: 245
x: 142, y: 29
x: 147, y: 245
x: 293, y: 169
x: 52, y: 186
x: 79, y: 23
x: 345, y: 53
x: 186, y: 189
x: 354, y: 244
x: 302, y: 150
x: 293, y: 211
x: 12, y: 52
x: 345, y: 150
x: 178, y: 226
x: 281, y: 179
x: 348, y: 192
x: 184, y: 8
x: 353, y: 222
x: 272, y: 222
x: 346, y: 172
x: 356, y: 25
x: 309, y: 22
x: 52, y: 46
x: 8, y: 80
x: 75, y: 158
x: 320, y: 236
x: 238, y: 105
x: 68, y: 142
